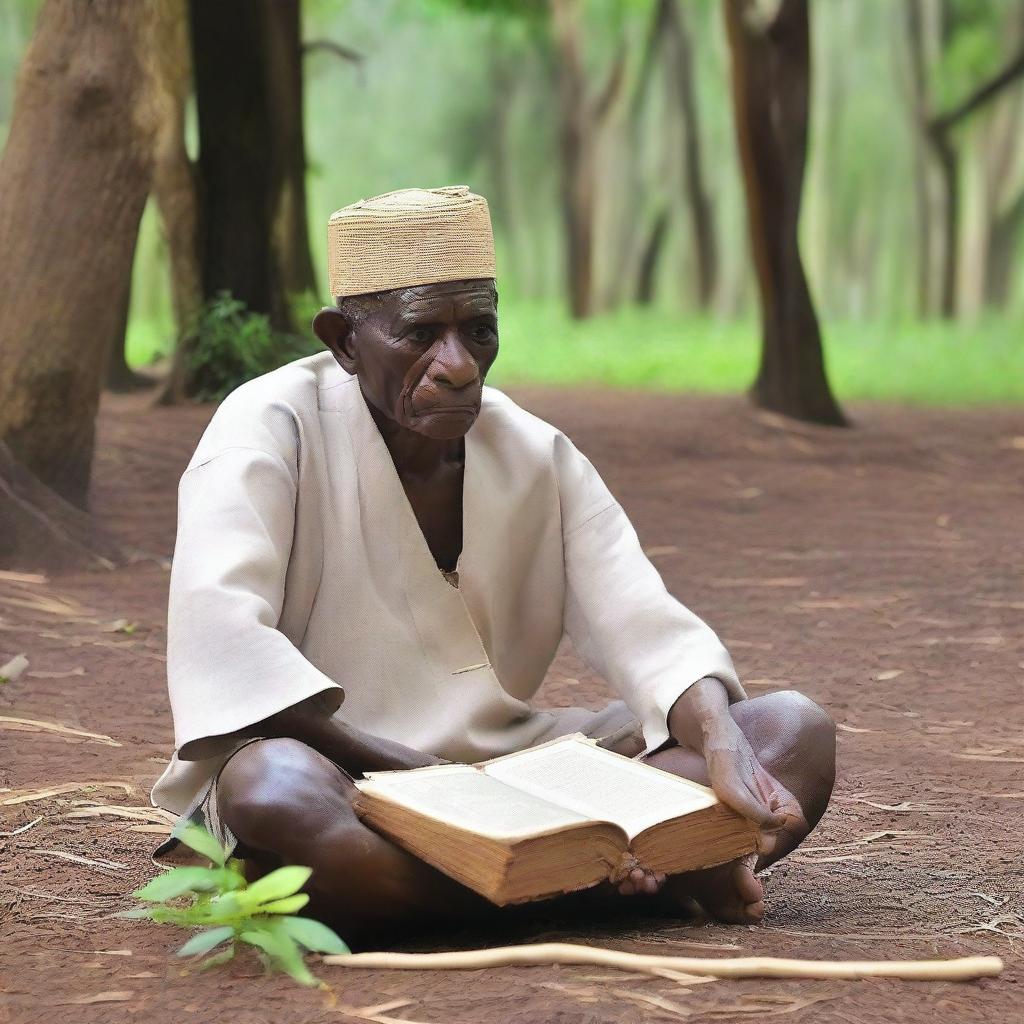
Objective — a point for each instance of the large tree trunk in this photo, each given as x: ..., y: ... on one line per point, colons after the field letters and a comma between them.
x: 73, y: 182
x: 771, y: 93
x: 679, y: 51
x: 238, y: 70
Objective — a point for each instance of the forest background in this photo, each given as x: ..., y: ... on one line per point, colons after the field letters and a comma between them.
x: 425, y: 92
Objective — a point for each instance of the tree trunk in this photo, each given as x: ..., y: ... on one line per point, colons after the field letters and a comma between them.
x: 40, y: 530
x: 679, y: 51
x: 771, y: 91
x: 947, y: 159
x: 578, y: 145
x: 73, y: 183
x: 284, y: 70
x: 581, y: 119
x: 647, y: 277
x: 919, y: 104
x: 120, y: 376
x: 175, y: 191
x: 241, y: 160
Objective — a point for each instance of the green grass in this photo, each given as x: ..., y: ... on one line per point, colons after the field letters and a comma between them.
x: 922, y: 363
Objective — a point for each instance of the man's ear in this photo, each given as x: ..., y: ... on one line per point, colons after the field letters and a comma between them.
x: 333, y: 328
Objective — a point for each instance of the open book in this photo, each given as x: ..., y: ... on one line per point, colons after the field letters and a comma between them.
x: 551, y: 819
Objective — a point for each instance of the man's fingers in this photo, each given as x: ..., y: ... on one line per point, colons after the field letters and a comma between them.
x: 742, y: 800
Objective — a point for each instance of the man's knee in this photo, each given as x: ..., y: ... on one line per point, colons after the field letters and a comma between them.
x: 814, y: 724
x: 272, y: 782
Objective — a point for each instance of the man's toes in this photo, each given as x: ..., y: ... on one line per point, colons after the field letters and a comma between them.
x: 730, y: 893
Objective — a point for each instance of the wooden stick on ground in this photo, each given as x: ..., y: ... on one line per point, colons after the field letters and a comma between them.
x: 961, y: 969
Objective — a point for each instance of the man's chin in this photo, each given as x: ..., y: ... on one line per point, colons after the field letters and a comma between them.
x: 446, y: 424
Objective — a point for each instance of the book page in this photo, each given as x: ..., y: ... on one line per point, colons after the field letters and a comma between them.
x: 599, y: 784
x: 467, y: 798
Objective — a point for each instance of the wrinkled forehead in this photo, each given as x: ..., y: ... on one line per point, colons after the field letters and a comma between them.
x: 461, y: 298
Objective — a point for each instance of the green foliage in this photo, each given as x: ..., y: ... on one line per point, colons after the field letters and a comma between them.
x: 228, y: 910
x: 231, y: 345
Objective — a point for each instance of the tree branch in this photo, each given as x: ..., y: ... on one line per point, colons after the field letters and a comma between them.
x: 943, y: 122
x: 330, y: 46
x: 612, y: 87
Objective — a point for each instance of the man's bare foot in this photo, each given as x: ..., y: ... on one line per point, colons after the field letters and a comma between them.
x: 730, y: 893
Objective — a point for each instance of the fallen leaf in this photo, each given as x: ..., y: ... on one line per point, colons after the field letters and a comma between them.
x: 11, y: 672
x: 990, y: 757
x: 889, y: 673
x: 76, y: 859
x: 774, y: 581
x: 149, y: 815
x: 46, y: 603
x: 23, y: 828
x: 33, y: 725
x: 21, y: 577
x: 851, y: 728
x: 76, y: 671
x: 933, y: 641
x: 25, y: 796
x: 98, y: 997
x: 668, y: 549
x: 119, y: 626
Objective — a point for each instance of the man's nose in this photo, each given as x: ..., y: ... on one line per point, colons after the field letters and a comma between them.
x: 454, y: 367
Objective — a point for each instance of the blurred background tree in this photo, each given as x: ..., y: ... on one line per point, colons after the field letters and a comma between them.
x: 644, y: 219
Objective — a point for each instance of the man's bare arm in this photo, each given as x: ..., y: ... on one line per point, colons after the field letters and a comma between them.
x: 349, y: 748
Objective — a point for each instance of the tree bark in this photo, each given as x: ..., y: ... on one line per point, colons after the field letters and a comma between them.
x: 73, y: 183
x: 175, y: 191
x: 291, y: 229
x: 919, y: 110
x: 247, y: 140
x: 581, y: 118
x: 40, y: 530
x: 771, y: 92
x: 679, y: 51
x: 649, y: 257
x: 937, y: 130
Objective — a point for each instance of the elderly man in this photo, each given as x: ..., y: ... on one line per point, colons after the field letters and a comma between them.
x: 377, y: 558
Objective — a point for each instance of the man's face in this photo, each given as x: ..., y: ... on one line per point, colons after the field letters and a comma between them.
x: 421, y: 354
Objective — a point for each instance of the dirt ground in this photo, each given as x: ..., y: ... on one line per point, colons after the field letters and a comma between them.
x: 880, y: 570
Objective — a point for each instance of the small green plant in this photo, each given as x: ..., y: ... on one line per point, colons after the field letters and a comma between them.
x: 229, y: 910
x: 231, y: 344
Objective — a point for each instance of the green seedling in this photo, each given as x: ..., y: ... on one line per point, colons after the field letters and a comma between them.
x: 228, y: 910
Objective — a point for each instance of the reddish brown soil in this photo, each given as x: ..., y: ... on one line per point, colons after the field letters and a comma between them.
x: 879, y: 570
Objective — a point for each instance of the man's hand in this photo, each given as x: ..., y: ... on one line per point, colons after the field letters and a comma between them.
x: 700, y: 720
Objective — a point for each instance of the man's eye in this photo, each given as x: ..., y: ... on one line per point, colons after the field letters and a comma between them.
x: 421, y: 335
x: 483, y: 333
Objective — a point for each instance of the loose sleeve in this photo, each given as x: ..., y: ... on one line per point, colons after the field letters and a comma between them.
x: 621, y: 618
x: 228, y: 665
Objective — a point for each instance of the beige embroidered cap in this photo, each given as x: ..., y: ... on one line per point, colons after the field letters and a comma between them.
x: 414, y: 236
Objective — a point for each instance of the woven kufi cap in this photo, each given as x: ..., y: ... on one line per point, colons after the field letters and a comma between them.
x: 415, y: 236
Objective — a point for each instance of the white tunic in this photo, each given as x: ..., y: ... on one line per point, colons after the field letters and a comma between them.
x: 300, y: 570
